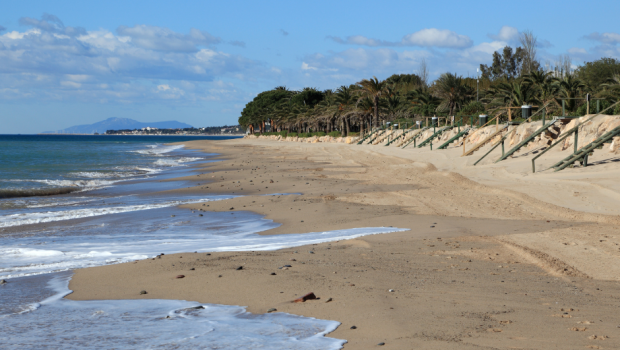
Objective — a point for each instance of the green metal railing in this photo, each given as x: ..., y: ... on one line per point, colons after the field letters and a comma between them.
x: 573, y: 130
x: 367, y: 136
x: 436, y: 134
x: 405, y: 132
x: 531, y: 137
x: 585, y: 151
x: 414, y: 138
x: 526, y: 141
x: 454, y: 138
x: 376, y: 136
x: 500, y: 142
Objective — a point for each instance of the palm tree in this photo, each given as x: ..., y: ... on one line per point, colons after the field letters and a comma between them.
x: 365, y: 107
x: 570, y: 88
x: 452, y: 90
x: 344, y: 99
x: 422, y: 101
x: 373, y: 89
x: 392, y: 105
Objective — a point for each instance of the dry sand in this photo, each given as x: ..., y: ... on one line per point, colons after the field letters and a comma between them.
x: 513, y: 260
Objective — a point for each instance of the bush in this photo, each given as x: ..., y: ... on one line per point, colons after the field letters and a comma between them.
x: 354, y: 134
x: 472, y: 108
x: 334, y: 134
x: 292, y: 134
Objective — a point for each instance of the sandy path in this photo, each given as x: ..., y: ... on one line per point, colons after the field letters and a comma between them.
x: 502, y: 261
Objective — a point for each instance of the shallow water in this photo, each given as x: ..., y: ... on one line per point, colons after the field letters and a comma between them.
x: 43, y: 238
x: 57, y: 323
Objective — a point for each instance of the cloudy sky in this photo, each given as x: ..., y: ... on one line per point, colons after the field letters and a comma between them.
x: 64, y: 63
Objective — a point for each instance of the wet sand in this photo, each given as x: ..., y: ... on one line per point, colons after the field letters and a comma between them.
x: 488, y: 262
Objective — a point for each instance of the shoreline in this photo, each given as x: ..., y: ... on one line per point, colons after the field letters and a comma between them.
x: 343, y: 187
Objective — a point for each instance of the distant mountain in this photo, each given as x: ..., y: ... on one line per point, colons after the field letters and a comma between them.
x: 117, y: 124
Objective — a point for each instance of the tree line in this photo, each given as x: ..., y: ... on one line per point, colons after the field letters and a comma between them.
x: 515, y: 78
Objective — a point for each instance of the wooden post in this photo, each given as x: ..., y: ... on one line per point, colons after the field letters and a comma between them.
x: 509, y: 115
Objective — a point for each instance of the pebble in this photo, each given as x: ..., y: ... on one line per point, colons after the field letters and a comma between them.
x: 293, y: 259
x: 391, y: 290
x: 273, y: 309
x: 328, y: 300
x: 273, y: 273
x: 181, y: 276
x: 232, y: 208
x: 192, y: 269
x: 199, y: 214
x: 219, y: 276
x: 3, y: 282
x: 239, y: 268
x: 287, y: 266
x: 311, y: 252
x: 381, y: 344
x: 143, y: 292
x: 353, y: 327
x: 172, y: 216
x: 208, y: 253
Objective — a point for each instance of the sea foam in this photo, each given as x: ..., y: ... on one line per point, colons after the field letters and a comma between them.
x: 57, y: 323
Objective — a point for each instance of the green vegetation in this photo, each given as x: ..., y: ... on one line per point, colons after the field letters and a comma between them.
x: 514, y: 78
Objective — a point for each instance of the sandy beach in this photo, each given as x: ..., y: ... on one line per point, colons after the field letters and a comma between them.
x: 493, y: 257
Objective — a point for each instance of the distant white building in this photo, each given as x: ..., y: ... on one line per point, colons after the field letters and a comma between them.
x: 148, y: 128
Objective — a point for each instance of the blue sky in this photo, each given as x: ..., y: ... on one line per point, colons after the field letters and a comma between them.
x: 64, y: 63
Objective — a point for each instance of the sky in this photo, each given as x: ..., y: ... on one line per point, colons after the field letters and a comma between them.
x: 65, y: 63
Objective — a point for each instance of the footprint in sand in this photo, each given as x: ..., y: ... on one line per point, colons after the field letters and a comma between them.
x: 598, y: 337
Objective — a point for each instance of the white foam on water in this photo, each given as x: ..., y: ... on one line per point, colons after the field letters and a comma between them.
x: 84, y: 184
x: 60, y: 215
x: 159, y: 149
x: 35, y: 255
x: 58, y: 323
x: 169, y: 162
x: 43, y: 202
x: 103, y: 175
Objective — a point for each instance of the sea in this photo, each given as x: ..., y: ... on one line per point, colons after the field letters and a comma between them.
x: 70, y: 202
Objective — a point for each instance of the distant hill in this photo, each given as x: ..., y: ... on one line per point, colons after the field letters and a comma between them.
x: 117, y: 124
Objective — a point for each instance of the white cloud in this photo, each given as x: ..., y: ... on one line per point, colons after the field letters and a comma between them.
x: 164, y: 39
x: 577, y: 50
x: 607, y: 38
x: 506, y: 33
x: 432, y: 37
x: 50, y: 54
x: 70, y: 84
x: 429, y: 37
x: 305, y: 66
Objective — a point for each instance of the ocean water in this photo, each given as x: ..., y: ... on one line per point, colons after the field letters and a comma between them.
x: 115, y: 213
x: 53, y: 164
